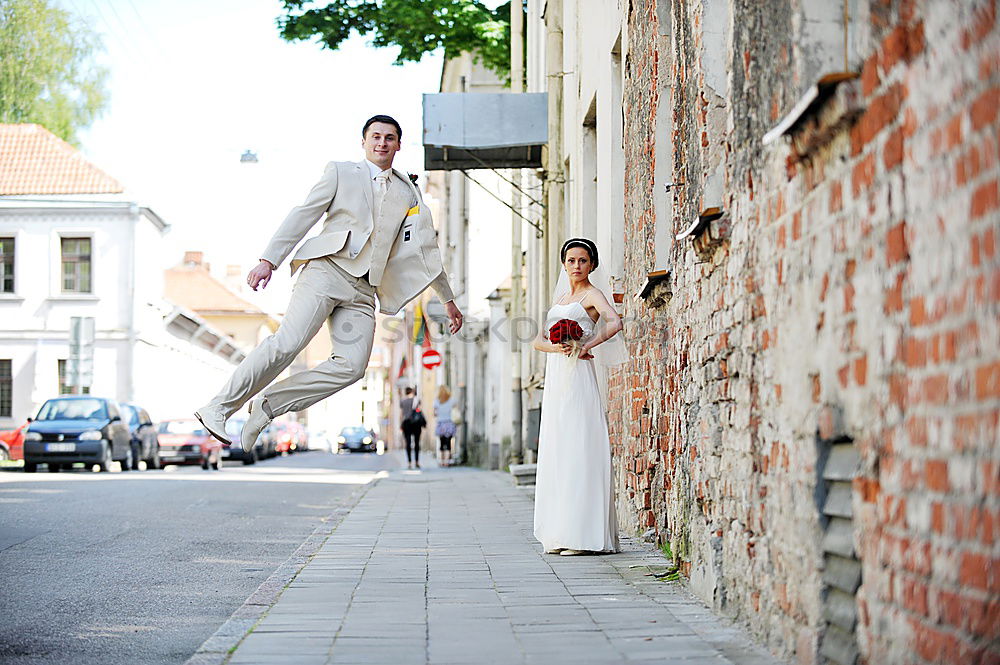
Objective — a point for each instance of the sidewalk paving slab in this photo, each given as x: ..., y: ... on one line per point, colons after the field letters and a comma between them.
x: 440, y: 567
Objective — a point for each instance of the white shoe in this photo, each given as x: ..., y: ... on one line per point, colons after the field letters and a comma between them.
x: 554, y: 551
x: 255, y: 424
x: 212, y: 419
x: 572, y: 552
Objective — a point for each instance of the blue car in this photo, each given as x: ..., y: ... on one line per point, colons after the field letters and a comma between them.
x: 78, y: 429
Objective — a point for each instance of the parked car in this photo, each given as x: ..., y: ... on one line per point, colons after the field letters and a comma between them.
x: 357, y: 439
x: 74, y: 429
x: 145, y: 443
x: 234, y: 428
x: 268, y: 441
x: 319, y: 439
x: 301, y: 434
x: 185, y: 441
x: 287, y: 437
x: 12, y: 441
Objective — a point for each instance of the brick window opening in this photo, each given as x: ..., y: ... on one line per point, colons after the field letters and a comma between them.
x: 65, y: 389
x: 6, y: 389
x: 6, y: 265
x: 76, y: 265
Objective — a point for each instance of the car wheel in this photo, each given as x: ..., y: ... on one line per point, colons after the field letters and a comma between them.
x: 54, y: 467
x: 154, y: 463
x: 204, y: 463
x: 30, y: 467
x: 105, y: 464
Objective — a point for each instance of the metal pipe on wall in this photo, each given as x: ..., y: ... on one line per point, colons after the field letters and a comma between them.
x: 516, y: 86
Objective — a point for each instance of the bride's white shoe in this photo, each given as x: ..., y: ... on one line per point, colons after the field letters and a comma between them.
x: 572, y: 552
x: 556, y: 550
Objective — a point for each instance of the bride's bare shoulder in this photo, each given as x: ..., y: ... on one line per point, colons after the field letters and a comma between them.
x: 594, y: 296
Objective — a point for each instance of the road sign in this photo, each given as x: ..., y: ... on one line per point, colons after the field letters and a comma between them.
x: 431, y: 358
x: 80, y: 364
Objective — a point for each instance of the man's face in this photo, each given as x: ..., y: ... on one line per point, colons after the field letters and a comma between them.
x: 381, y: 143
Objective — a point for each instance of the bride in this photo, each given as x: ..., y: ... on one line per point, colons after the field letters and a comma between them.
x: 574, y: 506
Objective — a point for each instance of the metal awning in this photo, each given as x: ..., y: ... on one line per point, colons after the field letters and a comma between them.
x: 464, y: 130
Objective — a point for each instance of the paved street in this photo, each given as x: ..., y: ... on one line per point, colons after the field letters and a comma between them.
x: 143, y: 567
x: 440, y: 567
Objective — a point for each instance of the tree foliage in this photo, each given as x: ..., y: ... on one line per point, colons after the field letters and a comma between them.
x: 416, y: 28
x: 47, y: 72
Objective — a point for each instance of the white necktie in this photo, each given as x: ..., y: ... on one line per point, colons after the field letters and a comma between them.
x: 381, y: 187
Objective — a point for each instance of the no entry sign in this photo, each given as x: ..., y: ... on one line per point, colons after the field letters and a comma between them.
x: 431, y: 359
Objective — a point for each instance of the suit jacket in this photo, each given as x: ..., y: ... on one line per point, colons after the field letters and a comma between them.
x: 405, y: 258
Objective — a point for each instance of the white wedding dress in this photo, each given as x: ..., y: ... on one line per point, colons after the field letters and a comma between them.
x: 574, y: 506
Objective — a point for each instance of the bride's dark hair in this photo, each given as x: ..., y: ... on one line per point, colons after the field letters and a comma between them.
x: 583, y: 243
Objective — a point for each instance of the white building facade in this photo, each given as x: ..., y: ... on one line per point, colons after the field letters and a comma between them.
x: 88, y: 253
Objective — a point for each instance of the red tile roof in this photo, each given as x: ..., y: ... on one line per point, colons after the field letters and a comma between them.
x: 33, y: 160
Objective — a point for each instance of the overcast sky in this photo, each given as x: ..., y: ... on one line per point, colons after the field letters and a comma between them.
x: 193, y: 84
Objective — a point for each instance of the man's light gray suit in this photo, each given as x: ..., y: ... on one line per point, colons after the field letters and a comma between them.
x: 398, y: 259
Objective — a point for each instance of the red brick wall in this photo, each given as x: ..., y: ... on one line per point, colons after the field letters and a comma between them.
x: 852, y: 287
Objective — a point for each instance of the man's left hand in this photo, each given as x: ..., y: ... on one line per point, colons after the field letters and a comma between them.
x: 454, y: 317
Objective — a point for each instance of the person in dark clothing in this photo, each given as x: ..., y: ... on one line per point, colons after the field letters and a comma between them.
x: 413, y: 422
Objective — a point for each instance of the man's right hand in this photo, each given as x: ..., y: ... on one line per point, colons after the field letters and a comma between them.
x: 260, y: 275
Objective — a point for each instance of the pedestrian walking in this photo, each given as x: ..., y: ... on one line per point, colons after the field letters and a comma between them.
x: 444, y: 429
x: 378, y: 240
x: 412, y: 424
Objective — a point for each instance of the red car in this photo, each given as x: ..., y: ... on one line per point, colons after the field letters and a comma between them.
x: 12, y: 442
x: 285, y: 437
x: 185, y: 441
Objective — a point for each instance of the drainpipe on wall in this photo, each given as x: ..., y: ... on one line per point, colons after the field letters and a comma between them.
x: 555, y: 178
x: 128, y: 390
x: 516, y: 86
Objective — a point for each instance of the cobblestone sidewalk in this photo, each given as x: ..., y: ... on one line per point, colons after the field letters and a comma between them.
x: 439, y: 567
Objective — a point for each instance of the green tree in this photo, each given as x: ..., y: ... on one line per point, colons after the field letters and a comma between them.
x: 47, y: 70
x: 416, y: 27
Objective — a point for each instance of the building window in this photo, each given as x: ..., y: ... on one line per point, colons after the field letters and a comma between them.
x: 67, y: 389
x: 76, y: 265
x: 6, y: 265
x: 6, y: 389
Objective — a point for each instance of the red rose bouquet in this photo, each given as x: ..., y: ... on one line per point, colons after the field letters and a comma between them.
x: 564, y: 331
x: 568, y: 331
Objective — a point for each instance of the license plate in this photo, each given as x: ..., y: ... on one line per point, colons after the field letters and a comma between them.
x: 60, y: 447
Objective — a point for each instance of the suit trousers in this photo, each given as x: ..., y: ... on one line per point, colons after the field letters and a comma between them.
x: 323, y: 292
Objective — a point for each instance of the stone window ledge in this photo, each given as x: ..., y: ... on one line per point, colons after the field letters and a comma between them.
x: 76, y: 297
x: 829, y: 105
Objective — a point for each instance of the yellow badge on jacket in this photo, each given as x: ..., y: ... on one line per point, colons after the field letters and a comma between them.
x: 413, y: 211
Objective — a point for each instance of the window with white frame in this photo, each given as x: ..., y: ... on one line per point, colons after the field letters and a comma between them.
x: 76, y: 265
x: 7, y: 265
x: 6, y: 388
x: 64, y: 387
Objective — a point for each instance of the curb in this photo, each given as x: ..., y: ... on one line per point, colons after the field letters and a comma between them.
x: 217, y: 648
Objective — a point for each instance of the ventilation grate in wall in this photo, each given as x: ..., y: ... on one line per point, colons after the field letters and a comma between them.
x: 838, y: 466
